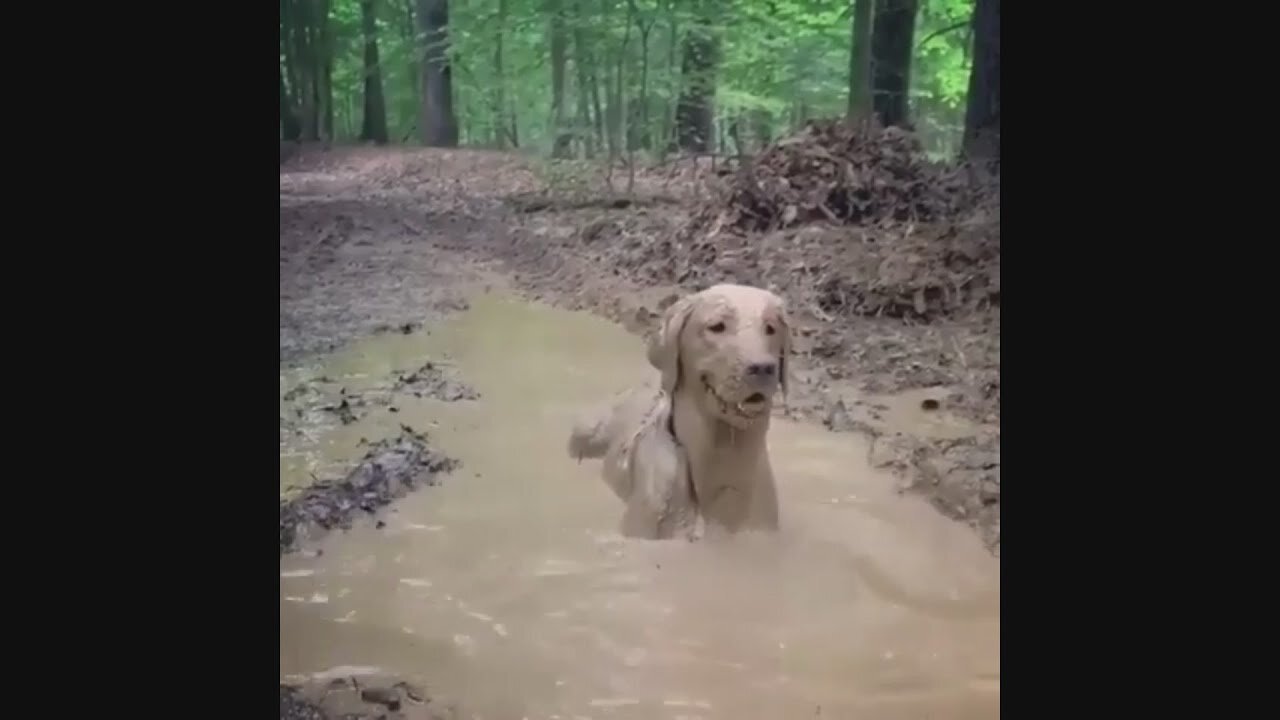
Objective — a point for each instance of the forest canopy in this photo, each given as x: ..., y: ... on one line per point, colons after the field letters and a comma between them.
x: 585, y: 78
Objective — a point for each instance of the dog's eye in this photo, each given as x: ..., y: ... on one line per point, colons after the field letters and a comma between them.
x: 769, y: 330
x: 717, y: 328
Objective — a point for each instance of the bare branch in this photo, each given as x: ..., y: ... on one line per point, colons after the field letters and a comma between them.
x: 943, y: 31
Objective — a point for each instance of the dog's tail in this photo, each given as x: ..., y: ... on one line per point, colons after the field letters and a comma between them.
x: 590, y: 436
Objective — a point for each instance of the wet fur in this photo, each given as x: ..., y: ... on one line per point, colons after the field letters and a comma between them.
x: 674, y: 452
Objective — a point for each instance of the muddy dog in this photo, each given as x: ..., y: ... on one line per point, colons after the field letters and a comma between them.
x: 691, y: 449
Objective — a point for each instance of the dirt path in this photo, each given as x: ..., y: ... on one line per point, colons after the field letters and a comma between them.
x: 372, y: 241
x: 385, y: 241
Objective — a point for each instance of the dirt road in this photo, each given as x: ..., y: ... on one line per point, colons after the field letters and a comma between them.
x: 389, y: 244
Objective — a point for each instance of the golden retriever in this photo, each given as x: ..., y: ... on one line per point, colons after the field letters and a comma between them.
x: 691, y: 449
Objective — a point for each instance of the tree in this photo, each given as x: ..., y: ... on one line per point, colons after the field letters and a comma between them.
x: 297, y: 15
x: 439, y: 126
x: 374, y: 126
x: 646, y: 74
x: 640, y: 135
x: 324, y: 67
x: 289, y: 129
x: 892, y: 33
x: 982, y: 108
x: 504, y: 122
x: 586, y: 82
x: 559, y: 59
x: 695, y: 108
x: 860, y: 60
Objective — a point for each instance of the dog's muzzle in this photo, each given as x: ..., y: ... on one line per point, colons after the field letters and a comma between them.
x: 752, y: 407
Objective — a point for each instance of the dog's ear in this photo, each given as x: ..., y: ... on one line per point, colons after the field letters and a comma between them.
x: 784, y: 364
x: 664, y: 343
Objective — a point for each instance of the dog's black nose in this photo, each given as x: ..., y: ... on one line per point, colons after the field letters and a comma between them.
x: 765, y: 368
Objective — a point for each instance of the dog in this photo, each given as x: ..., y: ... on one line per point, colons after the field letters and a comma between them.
x: 688, y: 452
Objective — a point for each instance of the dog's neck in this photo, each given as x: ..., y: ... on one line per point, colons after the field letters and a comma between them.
x: 723, y: 460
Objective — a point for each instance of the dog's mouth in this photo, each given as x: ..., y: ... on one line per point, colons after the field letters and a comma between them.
x: 749, y: 408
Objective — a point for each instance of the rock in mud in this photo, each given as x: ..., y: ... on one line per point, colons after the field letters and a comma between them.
x: 413, y: 692
x: 389, y: 470
x: 990, y: 492
x: 840, y: 419
x: 387, y: 697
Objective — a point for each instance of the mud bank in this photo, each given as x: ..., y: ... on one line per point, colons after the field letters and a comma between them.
x: 361, y: 698
x: 391, y: 469
x: 335, y: 493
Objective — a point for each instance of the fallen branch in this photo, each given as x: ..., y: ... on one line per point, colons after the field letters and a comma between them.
x: 541, y: 203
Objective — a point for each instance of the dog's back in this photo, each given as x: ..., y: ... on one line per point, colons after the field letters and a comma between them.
x: 643, y: 464
x: 610, y: 432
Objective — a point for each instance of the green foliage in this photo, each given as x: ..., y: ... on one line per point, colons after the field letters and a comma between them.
x: 940, y: 72
x: 781, y: 62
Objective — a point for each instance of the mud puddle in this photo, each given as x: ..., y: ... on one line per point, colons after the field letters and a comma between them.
x: 507, y: 588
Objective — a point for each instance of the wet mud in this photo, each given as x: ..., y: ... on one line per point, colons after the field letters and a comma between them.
x: 391, y: 469
x: 356, y: 697
x: 513, y: 567
x: 335, y: 494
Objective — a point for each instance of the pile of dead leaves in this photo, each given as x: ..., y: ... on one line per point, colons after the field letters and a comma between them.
x: 846, y: 221
x: 835, y: 172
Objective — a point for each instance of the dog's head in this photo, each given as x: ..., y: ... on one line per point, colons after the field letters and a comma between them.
x: 728, y: 345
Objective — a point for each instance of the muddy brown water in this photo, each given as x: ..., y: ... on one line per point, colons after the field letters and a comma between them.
x: 509, y: 590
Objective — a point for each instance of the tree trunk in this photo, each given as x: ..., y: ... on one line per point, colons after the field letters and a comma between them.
x: 860, y: 60
x: 645, y: 135
x: 618, y: 103
x: 410, y: 33
x: 439, y: 126
x: 581, y: 64
x: 893, y: 31
x: 289, y: 129
x: 597, y: 108
x: 559, y: 57
x: 326, y: 68
x: 694, y: 109
x: 304, y: 69
x: 291, y: 121
x: 638, y: 122
x: 667, y: 141
x: 610, y: 112
x: 763, y: 124
x: 982, y: 111
x: 374, y: 126
x: 500, y: 81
